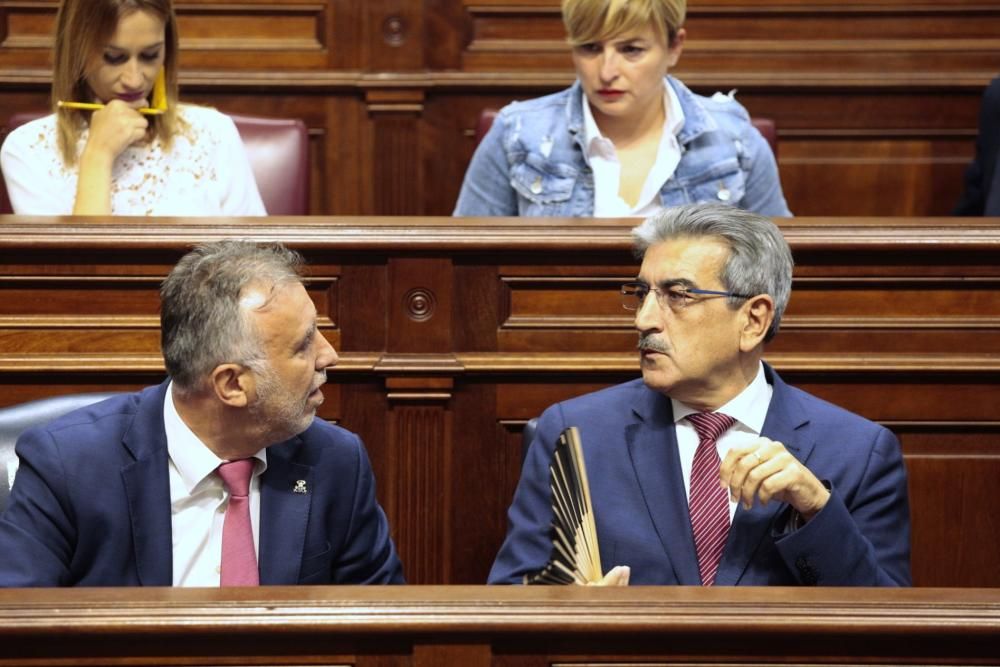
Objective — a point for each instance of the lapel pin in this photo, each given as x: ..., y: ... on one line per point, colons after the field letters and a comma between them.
x: 300, y: 487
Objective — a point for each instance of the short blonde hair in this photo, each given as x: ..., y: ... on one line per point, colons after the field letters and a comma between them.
x: 83, y: 29
x: 589, y: 21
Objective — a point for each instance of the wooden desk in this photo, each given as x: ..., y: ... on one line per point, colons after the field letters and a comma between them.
x: 453, y: 332
x: 476, y: 626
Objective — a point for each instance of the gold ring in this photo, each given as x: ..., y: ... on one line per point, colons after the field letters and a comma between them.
x: 758, y: 458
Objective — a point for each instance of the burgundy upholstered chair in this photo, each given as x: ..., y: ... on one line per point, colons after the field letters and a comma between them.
x: 764, y: 125
x: 278, y: 149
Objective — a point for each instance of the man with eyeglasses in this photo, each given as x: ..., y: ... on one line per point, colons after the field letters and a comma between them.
x: 710, y: 470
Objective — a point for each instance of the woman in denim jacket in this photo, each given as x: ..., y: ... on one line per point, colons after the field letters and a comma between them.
x: 626, y: 139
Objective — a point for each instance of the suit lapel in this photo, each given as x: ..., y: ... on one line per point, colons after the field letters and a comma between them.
x: 286, y: 494
x: 652, y: 446
x: 786, y: 423
x: 147, y: 485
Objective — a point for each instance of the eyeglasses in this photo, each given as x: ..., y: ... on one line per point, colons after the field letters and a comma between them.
x: 674, y: 297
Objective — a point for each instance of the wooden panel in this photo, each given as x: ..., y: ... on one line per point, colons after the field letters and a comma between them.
x: 421, y: 468
x: 28, y: 26
x: 866, y: 314
x: 396, y: 152
x: 875, y: 175
x: 20, y: 387
x: 213, y: 34
x: 420, y: 305
x: 348, y: 133
x: 947, y: 467
x: 394, y: 36
x: 799, y: 37
x: 486, y: 462
x: 45, y: 314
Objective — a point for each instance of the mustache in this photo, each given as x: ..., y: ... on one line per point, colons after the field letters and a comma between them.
x: 318, y: 381
x: 648, y: 342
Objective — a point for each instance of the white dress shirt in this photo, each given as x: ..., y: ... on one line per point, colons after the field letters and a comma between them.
x: 198, y: 501
x: 748, y: 408
x: 600, y: 153
x: 205, y: 172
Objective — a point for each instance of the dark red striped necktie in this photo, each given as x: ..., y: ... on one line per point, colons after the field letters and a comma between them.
x: 708, y: 502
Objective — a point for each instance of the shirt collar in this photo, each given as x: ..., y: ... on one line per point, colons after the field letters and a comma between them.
x: 749, y: 407
x: 192, y: 458
x: 596, y: 143
x: 675, y: 112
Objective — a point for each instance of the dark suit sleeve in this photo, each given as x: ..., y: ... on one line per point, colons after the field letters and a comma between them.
x: 980, y: 173
x: 528, y: 544
x: 863, y: 540
x: 369, y: 556
x: 37, y: 534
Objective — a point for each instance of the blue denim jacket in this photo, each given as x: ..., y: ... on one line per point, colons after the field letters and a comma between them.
x: 531, y: 162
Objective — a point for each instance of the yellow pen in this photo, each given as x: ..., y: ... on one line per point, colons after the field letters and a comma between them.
x: 91, y: 106
x: 159, y: 99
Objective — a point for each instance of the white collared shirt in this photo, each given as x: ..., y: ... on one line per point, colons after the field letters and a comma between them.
x: 198, y: 501
x: 748, y: 408
x: 600, y: 153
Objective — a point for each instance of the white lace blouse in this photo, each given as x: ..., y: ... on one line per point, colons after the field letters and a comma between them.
x: 205, y: 172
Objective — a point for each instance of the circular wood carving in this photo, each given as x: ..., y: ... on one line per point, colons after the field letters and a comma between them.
x: 420, y: 304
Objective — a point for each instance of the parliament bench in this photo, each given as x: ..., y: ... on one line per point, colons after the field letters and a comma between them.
x: 453, y: 333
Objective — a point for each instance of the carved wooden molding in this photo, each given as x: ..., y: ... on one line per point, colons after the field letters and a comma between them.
x: 318, y: 81
x: 478, y: 626
x: 788, y: 323
x: 80, y: 363
x: 481, y: 363
x: 417, y: 364
x: 294, y: 612
x: 399, y: 234
x: 79, y: 322
x: 394, y: 100
x: 419, y: 388
x: 828, y: 363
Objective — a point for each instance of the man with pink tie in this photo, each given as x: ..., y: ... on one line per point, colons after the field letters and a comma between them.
x: 223, y: 474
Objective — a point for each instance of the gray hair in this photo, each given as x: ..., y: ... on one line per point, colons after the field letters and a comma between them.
x: 202, y: 323
x: 760, y: 261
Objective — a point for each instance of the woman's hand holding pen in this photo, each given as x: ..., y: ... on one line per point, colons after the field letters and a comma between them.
x: 114, y: 128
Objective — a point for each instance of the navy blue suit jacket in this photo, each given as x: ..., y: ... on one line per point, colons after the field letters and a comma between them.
x: 861, y: 537
x: 90, y: 505
x: 982, y: 178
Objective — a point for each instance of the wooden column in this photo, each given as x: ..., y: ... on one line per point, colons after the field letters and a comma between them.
x: 419, y: 370
x: 394, y: 38
x: 396, y: 159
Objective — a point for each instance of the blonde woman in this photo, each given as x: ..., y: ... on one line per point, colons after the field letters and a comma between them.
x: 626, y: 139
x: 108, y: 153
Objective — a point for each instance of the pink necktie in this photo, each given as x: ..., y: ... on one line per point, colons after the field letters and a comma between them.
x: 239, y: 559
x: 708, y: 501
